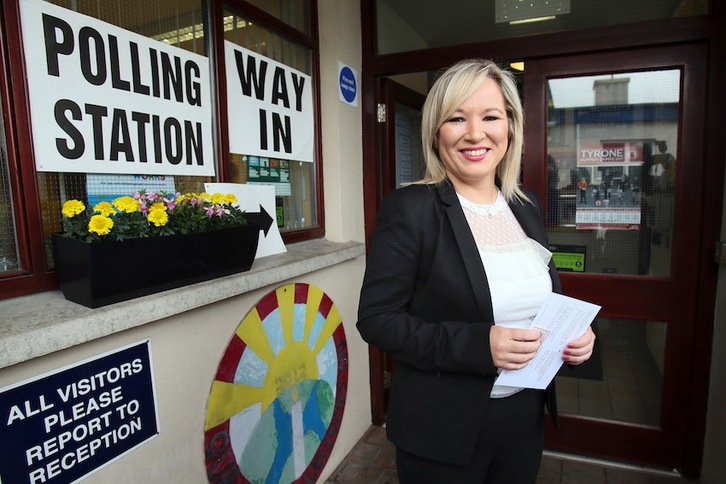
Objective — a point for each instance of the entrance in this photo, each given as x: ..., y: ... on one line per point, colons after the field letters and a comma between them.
x: 613, y: 150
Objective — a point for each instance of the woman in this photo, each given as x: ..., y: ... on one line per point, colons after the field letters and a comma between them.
x: 458, y: 266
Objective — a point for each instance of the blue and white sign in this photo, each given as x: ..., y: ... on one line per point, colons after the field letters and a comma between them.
x: 63, y: 425
x: 347, y: 85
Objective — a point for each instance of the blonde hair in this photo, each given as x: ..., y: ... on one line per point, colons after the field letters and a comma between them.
x: 449, y: 91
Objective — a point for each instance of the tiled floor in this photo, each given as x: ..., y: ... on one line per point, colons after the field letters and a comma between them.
x: 372, y: 461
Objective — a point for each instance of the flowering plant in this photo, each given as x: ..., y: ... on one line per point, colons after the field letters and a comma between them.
x: 151, y: 215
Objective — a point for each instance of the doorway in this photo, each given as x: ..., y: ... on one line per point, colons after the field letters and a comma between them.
x: 620, y: 176
x: 614, y: 149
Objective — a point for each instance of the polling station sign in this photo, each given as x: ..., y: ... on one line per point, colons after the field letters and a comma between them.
x: 106, y: 100
x: 269, y: 107
x: 61, y: 426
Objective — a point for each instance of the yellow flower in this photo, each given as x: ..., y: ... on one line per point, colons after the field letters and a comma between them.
x: 100, y: 224
x: 157, y: 216
x: 229, y: 199
x: 72, y: 208
x: 104, y: 208
x: 157, y: 206
x: 127, y: 204
x: 217, y: 198
x: 204, y: 196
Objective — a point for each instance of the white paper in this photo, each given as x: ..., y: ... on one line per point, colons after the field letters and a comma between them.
x: 251, y: 199
x: 561, y: 320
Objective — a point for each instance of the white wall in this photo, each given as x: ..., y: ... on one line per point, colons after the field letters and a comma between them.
x: 340, y: 41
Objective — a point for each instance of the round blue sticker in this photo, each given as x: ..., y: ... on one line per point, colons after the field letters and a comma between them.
x: 348, y: 87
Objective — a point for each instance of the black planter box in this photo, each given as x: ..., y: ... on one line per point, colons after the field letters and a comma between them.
x: 96, y: 274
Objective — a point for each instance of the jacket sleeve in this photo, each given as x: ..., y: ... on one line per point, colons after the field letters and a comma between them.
x: 403, y: 306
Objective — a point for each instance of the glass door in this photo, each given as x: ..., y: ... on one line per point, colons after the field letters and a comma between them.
x: 614, y: 152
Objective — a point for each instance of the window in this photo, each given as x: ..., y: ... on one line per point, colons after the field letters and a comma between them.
x: 30, y: 200
x: 612, y: 141
x: 294, y: 179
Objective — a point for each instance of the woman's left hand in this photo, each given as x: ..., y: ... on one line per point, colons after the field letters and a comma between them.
x: 579, y: 351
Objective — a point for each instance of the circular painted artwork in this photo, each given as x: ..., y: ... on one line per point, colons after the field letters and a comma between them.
x: 277, y: 400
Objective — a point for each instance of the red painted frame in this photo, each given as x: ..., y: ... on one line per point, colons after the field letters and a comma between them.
x: 37, y: 275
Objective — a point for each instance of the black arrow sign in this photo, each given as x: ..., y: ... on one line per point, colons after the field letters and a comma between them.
x: 261, y: 218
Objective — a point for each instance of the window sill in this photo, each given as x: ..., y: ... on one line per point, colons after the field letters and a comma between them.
x: 43, y: 323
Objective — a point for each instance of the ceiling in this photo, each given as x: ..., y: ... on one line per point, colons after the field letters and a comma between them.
x: 441, y: 23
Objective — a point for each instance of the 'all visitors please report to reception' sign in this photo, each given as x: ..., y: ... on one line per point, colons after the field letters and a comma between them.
x: 61, y: 426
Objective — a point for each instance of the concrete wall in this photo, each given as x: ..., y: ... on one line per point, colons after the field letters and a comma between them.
x: 186, y: 351
x: 340, y: 41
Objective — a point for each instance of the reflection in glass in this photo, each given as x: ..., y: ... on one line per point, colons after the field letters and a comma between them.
x: 624, y: 379
x: 295, y: 13
x: 293, y: 182
x: 409, y: 157
x: 267, y: 42
x: 612, y: 142
x: 175, y: 22
x: 8, y: 246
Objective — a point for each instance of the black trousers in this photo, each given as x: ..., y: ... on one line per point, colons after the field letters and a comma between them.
x: 508, y: 451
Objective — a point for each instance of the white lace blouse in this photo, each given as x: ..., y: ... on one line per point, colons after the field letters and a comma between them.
x: 516, y: 267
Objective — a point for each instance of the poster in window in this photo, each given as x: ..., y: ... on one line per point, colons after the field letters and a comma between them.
x: 107, y: 100
x: 269, y: 107
x: 609, y: 185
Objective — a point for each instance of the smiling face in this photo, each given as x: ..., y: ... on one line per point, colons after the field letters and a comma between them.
x: 473, y: 140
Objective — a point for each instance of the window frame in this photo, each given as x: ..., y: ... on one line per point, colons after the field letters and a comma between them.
x: 37, y: 274
x: 271, y: 23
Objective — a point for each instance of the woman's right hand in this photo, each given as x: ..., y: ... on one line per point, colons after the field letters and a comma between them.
x: 513, y: 349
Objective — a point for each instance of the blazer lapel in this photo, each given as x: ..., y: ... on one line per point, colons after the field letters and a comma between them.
x: 467, y: 248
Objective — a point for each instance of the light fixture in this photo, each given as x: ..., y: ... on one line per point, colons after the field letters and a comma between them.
x: 530, y: 20
x: 517, y: 66
x: 524, y: 11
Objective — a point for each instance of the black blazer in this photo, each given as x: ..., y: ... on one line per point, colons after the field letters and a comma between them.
x: 425, y: 300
